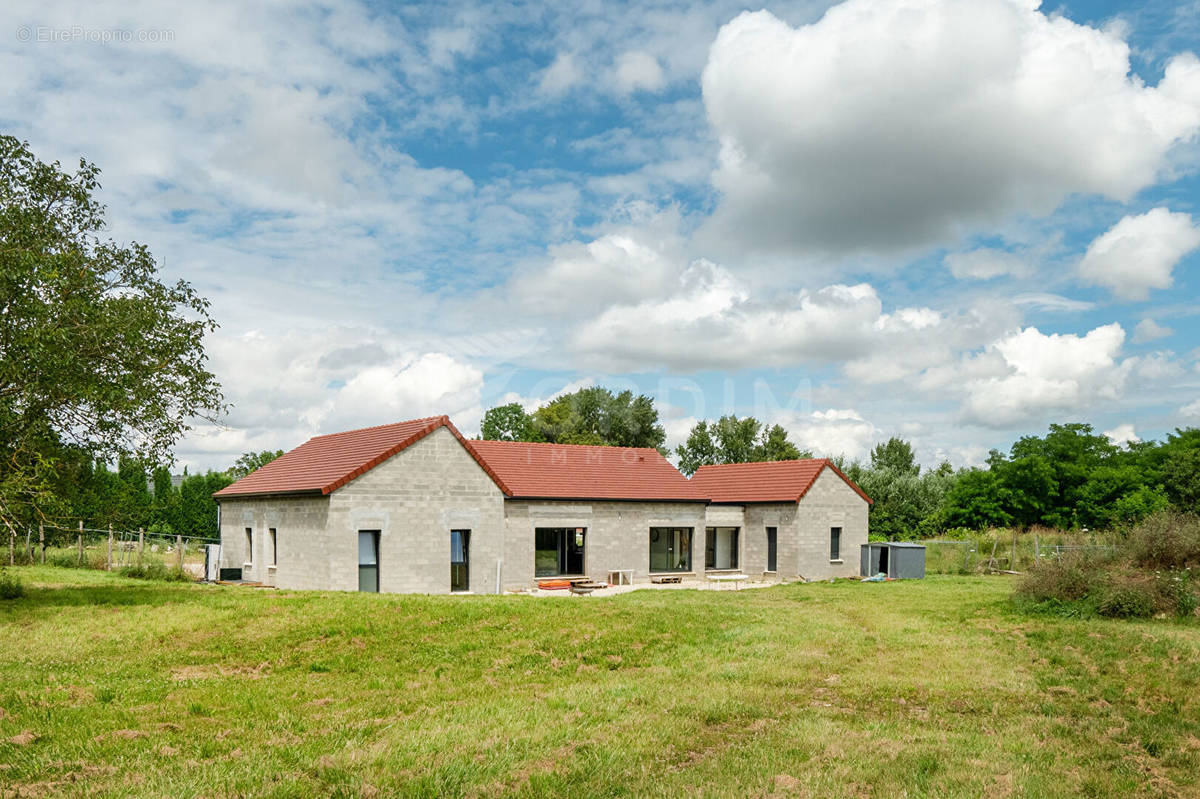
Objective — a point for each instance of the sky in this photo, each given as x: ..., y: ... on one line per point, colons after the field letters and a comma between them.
x: 953, y: 221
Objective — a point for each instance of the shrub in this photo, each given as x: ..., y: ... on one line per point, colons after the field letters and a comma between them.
x: 1127, y: 600
x: 1070, y: 578
x: 1166, y: 541
x: 10, y: 585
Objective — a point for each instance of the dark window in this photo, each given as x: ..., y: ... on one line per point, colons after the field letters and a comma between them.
x: 772, y: 548
x: 721, y: 548
x: 250, y: 545
x: 835, y: 543
x: 460, y: 558
x: 670, y: 549
x: 368, y: 560
x: 274, y: 547
x: 558, y: 551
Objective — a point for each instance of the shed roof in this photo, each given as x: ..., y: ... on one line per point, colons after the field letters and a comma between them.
x: 326, y: 463
x: 765, y: 481
x: 573, y: 471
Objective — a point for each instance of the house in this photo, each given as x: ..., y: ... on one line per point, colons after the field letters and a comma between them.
x: 416, y: 507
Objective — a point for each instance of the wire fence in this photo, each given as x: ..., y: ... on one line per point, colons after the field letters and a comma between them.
x: 106, y: 548
x: 1005, y: 551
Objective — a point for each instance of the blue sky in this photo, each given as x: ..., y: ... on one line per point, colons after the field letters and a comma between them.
x: 951, y: 221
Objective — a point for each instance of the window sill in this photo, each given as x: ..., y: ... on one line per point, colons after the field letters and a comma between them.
x: 836, y: 560
x: 722, y: 571
x: 272, y: 567
x: 671, y: 574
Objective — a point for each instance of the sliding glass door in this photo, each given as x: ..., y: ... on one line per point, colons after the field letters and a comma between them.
x: 558, y: 551
x: 670, y: 549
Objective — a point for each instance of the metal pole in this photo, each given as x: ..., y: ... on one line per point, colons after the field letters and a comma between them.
x: 141, y: 546
x: 42, y: 541
x: 110, y: 543
x: 80, y: 542
x: 179, y: 550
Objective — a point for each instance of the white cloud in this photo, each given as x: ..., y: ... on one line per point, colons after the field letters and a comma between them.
x: 1149, y: 330
x: 1139, y: 253
x: 562, y: 74
x: 1035, y: 373
x: 1122, y: 435
x: 830, y: 433
x: 1191, y: 410
x: 889, y: 124
x: 709, y: 319
x: 638, y: 70
x: 986, y: 263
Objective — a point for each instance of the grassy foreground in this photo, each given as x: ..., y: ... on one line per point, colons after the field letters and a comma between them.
x: 117, y: 687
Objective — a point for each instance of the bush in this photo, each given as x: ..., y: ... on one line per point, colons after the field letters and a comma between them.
x: 1166, y: 541
x: 10, y: 585
x: 1070, y: 578
x: 1128, y: 600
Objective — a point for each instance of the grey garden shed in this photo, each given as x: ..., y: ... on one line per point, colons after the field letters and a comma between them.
x: 899, y: 560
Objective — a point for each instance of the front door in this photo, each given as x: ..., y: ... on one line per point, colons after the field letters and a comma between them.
x: 460, y: 557
x: 368, y: 560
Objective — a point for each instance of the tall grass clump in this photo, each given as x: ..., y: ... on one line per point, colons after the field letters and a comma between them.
x: 10, y: 585
x: 156, y: 571
x: 1152, y: 572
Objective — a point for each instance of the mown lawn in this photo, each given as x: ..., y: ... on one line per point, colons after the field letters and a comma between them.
x: 114, y: 687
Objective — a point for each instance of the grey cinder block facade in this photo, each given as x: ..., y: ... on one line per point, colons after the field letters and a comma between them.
x: 434, y: 516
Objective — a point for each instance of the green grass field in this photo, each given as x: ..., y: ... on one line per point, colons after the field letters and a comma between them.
x: 117, y: 687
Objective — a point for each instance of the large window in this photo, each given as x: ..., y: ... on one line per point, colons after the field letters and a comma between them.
x: 670, y: 549
x: 835, y: 543
x: 558, y: 551
x: 721, y: 548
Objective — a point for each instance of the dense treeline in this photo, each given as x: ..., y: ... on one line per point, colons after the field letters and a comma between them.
x: 132, y: 497
x: 1070, y: 478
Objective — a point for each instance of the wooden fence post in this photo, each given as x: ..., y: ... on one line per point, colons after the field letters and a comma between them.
x: 42, y: 541
x: 179, y: 550
x: 12, y: 548
x: 1037, y: 549
x: 110, y: 543
x: 80, y: 542
x: 28, y: 546
x: 141, y: 545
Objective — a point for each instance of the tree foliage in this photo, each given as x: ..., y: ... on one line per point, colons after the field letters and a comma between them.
x: 593, y: 415
x: 97, y: 353
x: 253, y: 461
x: 735, y: 440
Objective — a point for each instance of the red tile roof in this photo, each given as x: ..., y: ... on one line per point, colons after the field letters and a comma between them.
x: 325, y: 463
x: 573, y: 471
x: 769, y: 481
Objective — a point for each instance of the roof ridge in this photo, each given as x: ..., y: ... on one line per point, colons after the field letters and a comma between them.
x: 555, y: 444
x: 381, y: 426
x: 763, y: 463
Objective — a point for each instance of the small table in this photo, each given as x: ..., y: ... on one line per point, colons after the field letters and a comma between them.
x: 736, y: 579
x: 624, y: 576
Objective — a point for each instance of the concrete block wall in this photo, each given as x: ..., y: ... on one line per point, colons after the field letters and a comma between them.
x: 618, y: 534
x: 414, y: 500
x: 758, y: 517
x: 299, y: 524
x: 830, y: 502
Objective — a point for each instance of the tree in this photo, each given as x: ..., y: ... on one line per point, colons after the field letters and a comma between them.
x: 95, y: 350
x: 252, y: 461
x: 895, y: 454
x: 975, y: 501
x: 507, y: 423
x: 595, y: 415
x: 734, y: 440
